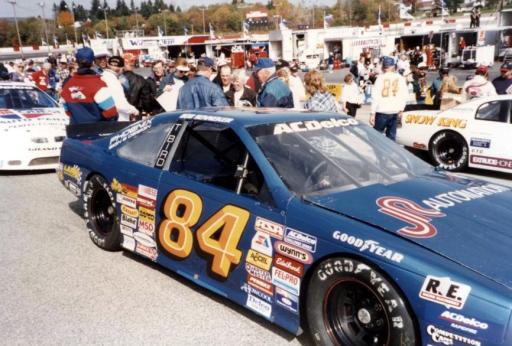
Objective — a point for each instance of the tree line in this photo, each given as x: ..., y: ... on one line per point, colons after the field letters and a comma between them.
x: 154, y: 16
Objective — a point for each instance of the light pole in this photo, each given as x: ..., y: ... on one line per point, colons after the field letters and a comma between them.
x: 13, y: 3
x: 137, y: 21
x: 277, y: 18
x: 204, y: 26
x: 74, y: 21
x: 45, y: 29
x: 162, y: 11
x: 105, y: 8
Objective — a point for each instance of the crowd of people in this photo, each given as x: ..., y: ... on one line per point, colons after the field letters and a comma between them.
x: 106, y: 88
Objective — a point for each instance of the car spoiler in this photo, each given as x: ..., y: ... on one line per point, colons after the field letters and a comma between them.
x: 95, y: 130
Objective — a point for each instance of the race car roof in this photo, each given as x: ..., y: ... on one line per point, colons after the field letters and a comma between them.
x: 249, y: 116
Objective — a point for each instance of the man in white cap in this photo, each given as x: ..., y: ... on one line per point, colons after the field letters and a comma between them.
x: 389, y: 95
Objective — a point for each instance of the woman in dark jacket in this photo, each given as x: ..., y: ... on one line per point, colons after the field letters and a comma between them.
x: 239, y: 95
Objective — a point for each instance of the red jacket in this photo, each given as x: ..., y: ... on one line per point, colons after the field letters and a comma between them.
x: 41, y: 79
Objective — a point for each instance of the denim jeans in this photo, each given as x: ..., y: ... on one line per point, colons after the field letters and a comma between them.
x: 386, y: 122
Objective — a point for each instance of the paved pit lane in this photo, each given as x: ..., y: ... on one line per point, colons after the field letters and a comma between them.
x: 57, y: 287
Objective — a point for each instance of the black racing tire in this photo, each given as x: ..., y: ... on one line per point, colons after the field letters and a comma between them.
x: 101, y: 215
x: 449, y: 151
x: 350, y: 303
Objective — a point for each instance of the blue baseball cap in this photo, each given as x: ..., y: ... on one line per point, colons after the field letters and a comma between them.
x: 264, y: 63
x: 206, y: 61
x: 388, y: 61
x: 85, y: 54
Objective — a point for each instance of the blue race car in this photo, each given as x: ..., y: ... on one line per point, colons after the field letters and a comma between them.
x: 311, y: 220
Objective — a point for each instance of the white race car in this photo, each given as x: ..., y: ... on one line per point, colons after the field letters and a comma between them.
x: 475, y: 134
x: 32, y: 128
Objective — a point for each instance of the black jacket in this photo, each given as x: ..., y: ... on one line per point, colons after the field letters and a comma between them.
x: 139, y: 92
x: 248, y: 95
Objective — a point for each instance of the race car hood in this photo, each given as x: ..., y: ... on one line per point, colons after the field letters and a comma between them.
x: 32, y: 119
x: 467, y: 221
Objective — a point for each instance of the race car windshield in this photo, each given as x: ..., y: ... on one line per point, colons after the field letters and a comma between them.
x: 317, y: 157
x: 24, y: 98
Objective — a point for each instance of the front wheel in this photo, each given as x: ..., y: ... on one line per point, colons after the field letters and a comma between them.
x: 100, y: 211
x: 350, y: 303
x: 449, y: 151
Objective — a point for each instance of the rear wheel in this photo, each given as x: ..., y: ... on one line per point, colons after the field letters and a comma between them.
x: 449, y: 151
x: 100, y: 212
x: 350, y: 303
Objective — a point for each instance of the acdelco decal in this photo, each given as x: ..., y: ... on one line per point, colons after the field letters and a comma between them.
x: 312, y: 125
x: 293, y: 252
x: 431, y: 120
x: 419, y: 217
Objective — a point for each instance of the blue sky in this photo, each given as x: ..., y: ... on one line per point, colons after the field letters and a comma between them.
x: 27, y: 8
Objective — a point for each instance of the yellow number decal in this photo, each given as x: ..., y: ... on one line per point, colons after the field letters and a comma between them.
x: 182, y: 210
x: 389, y: 85
x: 230, y: 221
x: 218, y: 236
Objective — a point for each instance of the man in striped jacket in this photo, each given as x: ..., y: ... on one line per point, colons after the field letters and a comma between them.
x: 86, y: 97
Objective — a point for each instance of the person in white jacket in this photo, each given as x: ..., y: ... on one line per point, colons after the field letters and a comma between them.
x: 389, y: 95
x: 111, y: 77
x: 479, y: 85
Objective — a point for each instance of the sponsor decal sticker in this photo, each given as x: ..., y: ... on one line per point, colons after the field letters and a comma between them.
x: 462, y: 322
x: 129, y: 211
x: 128, y: 201
x: 312, y: 125
x: 73, y: 188
x: 253, y: 291
x: 431, y: 120
x: 445, y: 292
x: 419, y: 218
x: 491, y: 161
x: 261, y: 242
x: 73, y: 172
x: 293, y: 252
x: 144, y: 239
x: 128, y: 243
x: 146, y: 202
x: 147, y: 214
x: 286, y: 281
x: 367, y: 245
x: 147, y: 227
x: 480, y: 143
x: 448, y: 338
x: 129, y: 132
x: 258, y: 272
x: 259, y: 306
x: 274, y: 229
x: 300, y: 239
x: 260, y: 284
x: 289, y: 265
x: 259, y: 259
x: 128, y: 221
x: 146, y: 251
x: 147, y: 192
x: 204, y: 117
x: 288, y: 300
x: 126, y: 230
x: 125, y: 189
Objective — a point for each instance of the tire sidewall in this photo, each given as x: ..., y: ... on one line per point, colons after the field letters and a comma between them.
x: 112, y: 240
x: 463, y: 160
x: 333, y: 271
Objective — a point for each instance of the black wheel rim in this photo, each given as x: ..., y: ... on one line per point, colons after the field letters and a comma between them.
x: 354, y: 315
x: 449, y: 150
x: 102, y: 212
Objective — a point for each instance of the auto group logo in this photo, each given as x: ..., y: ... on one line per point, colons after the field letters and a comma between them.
x: 418, y: 217
x: 445, y: 292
